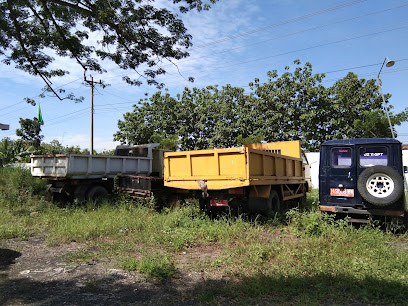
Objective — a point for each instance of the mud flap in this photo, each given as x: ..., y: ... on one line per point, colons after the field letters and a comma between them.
x: 204, y: 188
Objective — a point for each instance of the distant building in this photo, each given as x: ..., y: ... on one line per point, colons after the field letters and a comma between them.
x: 4, y: 126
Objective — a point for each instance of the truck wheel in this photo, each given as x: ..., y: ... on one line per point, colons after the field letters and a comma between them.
x: 273, y: 204
x: 97, y: 193
x: 380, y: 185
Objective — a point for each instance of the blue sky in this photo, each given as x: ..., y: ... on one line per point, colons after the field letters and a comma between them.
x: 234, y: 43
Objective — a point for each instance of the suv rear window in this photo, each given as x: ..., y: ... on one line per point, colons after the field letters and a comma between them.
x: 373, y: 156
x: 341, y: 157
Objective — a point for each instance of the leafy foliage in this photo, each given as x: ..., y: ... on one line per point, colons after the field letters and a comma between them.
x: 263, y: 262
x: 359, y: 109
x: 233, y: 259
x: 13, y: 151
x: 19, y: 151
x: 153, y: 265
x: 170, y: 142
x: 30, y: 131
x: 136, y: 35
x: 55, y: 147
x: 293, y: 106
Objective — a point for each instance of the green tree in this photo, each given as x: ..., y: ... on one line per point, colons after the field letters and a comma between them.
x: 12, y: 151
x: 54, y: 147
x: 169, y: 142
x: 291, y: 106
x: 200, y: 118
x: 107, y: 152
x: 357, y: 109
x: 250, y: 139
x: 134, y: 34
x: 30, y: 132
x: 352, y: 99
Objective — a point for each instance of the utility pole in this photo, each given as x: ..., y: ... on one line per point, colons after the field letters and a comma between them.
x: 388, y: 63
x: 91, y: 82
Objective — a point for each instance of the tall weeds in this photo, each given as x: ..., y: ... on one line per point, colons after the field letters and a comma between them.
x: 303, y: 256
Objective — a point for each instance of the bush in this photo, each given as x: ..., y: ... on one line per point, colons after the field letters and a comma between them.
x: 313, y: 223
x: 19, y: 179
x: 155, y: 265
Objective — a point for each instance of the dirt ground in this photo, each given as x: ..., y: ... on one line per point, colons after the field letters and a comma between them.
x: 32, y: 273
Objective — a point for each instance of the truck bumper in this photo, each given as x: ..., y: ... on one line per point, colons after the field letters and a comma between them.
x: 369, y: 212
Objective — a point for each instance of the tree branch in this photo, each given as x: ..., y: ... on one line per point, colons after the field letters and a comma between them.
x: 21, y: 41
x: 45, y: 26
x: 44, y: 3
x: 73, y: 6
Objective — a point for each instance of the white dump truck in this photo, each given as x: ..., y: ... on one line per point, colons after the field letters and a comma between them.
x: 88, y: 177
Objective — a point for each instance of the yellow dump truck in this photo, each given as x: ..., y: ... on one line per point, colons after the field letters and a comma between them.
x: 257, y: 176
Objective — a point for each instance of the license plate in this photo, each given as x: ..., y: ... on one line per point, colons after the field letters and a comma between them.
x: 337, y: 192
x: 218, y: 203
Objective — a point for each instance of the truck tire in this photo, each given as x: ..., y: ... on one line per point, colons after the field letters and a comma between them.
x: 97, y: 193
x: 380, y: 185
x: 272, y: 204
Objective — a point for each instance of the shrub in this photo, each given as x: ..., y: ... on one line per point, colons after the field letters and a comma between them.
x: 313, y: 223
x: 14, y: 179
x: 155, y: 265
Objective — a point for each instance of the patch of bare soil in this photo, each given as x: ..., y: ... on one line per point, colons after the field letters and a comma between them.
x: 32, y: 273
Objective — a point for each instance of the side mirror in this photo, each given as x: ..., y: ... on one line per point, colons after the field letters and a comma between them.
x: 405, y: 169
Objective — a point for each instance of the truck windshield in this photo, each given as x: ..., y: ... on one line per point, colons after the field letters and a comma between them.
x: 341, y: 157
x: 373, y: 156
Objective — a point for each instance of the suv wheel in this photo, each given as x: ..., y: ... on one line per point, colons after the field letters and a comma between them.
x: 380, y: 185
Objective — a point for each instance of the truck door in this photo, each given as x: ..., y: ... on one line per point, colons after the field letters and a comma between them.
x: 341, y: 176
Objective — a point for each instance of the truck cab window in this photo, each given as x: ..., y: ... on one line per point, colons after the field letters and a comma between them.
x: 341, y: 157
x: 373, y: 156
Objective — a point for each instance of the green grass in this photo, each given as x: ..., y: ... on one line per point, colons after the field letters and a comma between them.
x: 154, y: 265
x: 303, y: 256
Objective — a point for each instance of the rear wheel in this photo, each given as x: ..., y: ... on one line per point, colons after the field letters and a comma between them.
x: 273, y: 204
x: 97, y: 193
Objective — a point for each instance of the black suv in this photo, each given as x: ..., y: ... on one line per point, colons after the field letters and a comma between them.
x: 362, y: 177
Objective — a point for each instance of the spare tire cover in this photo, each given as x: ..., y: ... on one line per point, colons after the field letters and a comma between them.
x: 380, y: 185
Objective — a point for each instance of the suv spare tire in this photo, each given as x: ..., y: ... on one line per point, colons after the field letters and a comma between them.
x: 380, y: 185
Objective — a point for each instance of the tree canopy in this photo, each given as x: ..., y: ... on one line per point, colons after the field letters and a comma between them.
x: 136, y: 35
x: 291, y: 106
x: 30, y: 132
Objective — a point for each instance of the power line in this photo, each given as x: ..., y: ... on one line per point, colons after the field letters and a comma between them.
x: 37, y: 96
x: 275, y: 38
x: 69, y: 117
x: 291, y: 34
x: 288, y: 21
x: 279, y: 23
x: 82, y: 112
x: 299, y: 50
x: 364, y: 66
x: 86, y: 109
x: 104, y: 109
x: 228, y: 66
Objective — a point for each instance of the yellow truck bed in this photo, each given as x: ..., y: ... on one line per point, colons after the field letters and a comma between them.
x: 233, y: 167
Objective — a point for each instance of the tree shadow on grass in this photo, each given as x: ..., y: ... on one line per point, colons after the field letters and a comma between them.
x: 262, y: 290
x: 319, y: 290
x: 104, y: 291
x: 7, y: 257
